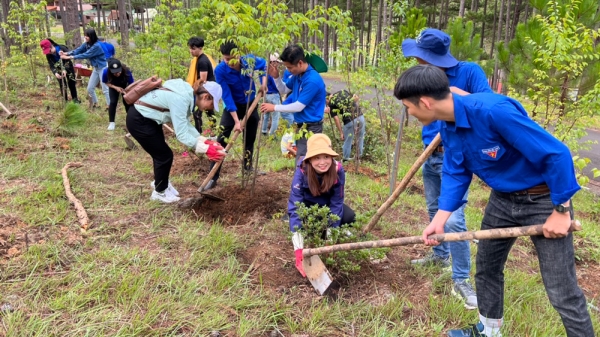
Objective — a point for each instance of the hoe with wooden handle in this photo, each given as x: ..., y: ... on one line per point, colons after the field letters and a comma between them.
x: 190, y: 202
x: 320, y: 278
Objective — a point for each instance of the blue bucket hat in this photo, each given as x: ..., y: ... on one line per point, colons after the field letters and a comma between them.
x: 432, y: 46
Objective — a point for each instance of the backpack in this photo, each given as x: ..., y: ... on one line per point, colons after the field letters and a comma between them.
x: 139, y: 88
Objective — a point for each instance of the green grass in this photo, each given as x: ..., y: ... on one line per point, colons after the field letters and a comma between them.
x: 145, y: 269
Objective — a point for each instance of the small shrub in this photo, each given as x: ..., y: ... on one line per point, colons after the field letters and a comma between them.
x: 317, y: 233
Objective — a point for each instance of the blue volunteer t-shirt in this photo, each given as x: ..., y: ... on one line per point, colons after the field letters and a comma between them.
x: 271, y: 86
x: 236, y: 83
x: 493, y: 137
x: 307, y: 88
x: 467, y: 76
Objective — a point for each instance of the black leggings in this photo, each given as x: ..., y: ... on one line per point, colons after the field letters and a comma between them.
x: 228, y: 123
x: 72, y: 86
x: 152, y: 139
x: 114, y: 100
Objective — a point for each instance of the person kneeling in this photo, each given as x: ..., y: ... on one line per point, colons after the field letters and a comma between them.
x: 319, y: 179
x: 175, y: 104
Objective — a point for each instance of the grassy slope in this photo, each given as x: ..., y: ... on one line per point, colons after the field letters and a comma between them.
x: 150, y: 270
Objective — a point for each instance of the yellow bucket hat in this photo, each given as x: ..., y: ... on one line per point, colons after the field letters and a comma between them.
x: 319, y: 144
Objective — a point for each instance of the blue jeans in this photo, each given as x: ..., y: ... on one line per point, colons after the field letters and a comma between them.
x: 357, y: 126
x: 91, y: 88
x: 556, y: 259
x: 289, y: 118
x: 460, y: 250
x: 273, y: 99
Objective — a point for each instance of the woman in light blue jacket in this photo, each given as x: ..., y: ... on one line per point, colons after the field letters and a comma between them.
x: 91, y: 50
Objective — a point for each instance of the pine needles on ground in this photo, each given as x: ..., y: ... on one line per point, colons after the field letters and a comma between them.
x: 74, y: 116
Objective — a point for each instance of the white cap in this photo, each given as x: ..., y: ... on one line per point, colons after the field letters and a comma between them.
x: 274, y: 57
x: 214, y: 89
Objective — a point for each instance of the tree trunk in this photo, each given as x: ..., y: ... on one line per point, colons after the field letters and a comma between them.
x: 485, y: 2
x: 369, y: 26
x: 494, y: 28
x: 517, y: 14
x: 378, y: 32
x: 361, y: 37
x: 439, y: 24
x: 326, y: 35
x: 123, y: 24
x: 461, y: 8
x: 104, y: 21
x: 81, y: 15
x: 507, y: 24
x: 71, y: 23
x: 495, y: 75
x: 99, y: 26
x: 4, y: 18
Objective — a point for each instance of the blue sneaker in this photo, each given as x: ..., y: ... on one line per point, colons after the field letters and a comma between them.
x: 474, y: 331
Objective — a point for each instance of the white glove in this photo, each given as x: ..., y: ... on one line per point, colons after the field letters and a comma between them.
x: 298, y: 241
x: 201, y: 147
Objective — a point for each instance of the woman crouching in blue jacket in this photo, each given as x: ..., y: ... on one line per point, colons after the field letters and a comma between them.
x: 319, y: 179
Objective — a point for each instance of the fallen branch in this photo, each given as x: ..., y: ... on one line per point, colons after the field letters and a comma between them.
x: 82, y: 216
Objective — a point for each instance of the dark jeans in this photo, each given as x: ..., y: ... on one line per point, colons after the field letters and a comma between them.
x: 212, y: 119
x: 114, y: 100
x: 152, y: 139
x: 556, y: 258
x: 249, y: 133
x: 301, y: 143
x: 72, y: 86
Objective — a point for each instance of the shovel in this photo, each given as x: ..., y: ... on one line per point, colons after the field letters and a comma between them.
x: 191, y: 202
x: 320, y: 278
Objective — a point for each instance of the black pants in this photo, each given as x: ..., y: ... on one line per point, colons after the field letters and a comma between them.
x: 249, y: 134
x: 152, y: 139
x: 72, y: 86
x: 114, y: 100
x: 212, y: 119
x: 301, y: 143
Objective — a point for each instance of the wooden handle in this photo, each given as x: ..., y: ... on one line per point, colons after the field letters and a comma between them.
x: 498, y: 233
x: 404, y: 183
x: 236, y: 133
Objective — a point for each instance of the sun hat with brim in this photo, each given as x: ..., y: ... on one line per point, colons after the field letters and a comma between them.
x: 316, y: 62
x: 319, y: 144
x: 431, y: 46
x: 46, y: 47
x: 215, y: 90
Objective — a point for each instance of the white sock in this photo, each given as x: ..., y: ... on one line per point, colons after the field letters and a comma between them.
x: 491, y: 326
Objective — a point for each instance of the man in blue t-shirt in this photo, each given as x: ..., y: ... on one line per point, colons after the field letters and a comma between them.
x: 306, y: 99
x: 532, y: 178
x: 432, y: 46
x: 109, y: 49
x: 235, y: 76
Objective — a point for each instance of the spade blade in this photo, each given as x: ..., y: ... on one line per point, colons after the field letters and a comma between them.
x: 317, y: 273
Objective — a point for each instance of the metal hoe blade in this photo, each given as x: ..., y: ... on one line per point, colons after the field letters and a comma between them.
x: 317, y: 273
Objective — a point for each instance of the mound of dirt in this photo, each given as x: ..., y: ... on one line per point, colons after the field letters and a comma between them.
x: 244, y: 205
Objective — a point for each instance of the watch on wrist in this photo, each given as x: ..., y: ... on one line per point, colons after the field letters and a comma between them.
x: 561, y: 208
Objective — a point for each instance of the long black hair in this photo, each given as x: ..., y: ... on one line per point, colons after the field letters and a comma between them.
x: 91, y: 33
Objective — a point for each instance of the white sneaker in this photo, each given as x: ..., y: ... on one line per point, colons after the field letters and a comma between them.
x: 170, y: 188
x: 111, y: 126
x: 164, y: 196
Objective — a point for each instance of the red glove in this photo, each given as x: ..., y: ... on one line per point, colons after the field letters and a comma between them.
x: 299, y: 259
x: 215, y: 151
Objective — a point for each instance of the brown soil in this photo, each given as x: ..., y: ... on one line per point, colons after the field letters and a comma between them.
x: 269, y: 252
